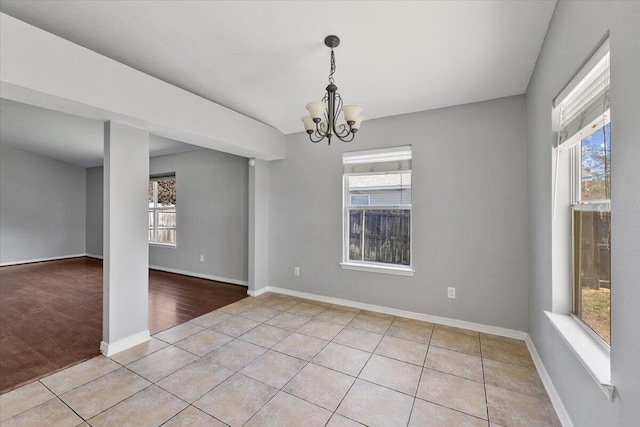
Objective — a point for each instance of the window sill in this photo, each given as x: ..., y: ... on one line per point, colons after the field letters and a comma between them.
x: 593, y: 357
x: 399, y: 271
x: 163, y: 245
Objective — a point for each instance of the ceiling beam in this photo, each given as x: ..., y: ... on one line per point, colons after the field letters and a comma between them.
x: 42, y: 69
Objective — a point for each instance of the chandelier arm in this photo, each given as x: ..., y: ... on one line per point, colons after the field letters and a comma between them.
x: 346, y: 137
x: 317, y: 139
x: 319, y: 133
x: 342, y: 130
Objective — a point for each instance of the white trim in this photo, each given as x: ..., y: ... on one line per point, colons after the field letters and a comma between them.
x: 125, y: 343
x: 258, y: 292
x: 200, y: 275
x: 377, y: 154
x: 595, y: 206
x: 503, y: 332
x: 163, y: 245
x: 29, y: 261
x: 376, y: 268
x: 595, y: 359
x: 96, y: 256
x: 561, y: 411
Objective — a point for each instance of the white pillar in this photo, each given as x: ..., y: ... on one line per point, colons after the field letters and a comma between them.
x: 258, y: 227
x: 126, y: 248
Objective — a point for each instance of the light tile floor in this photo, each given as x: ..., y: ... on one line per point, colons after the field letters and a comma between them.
x: 276, y: 360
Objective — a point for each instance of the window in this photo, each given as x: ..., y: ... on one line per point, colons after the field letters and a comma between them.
x: 360, y: 199
x: 162, y: 210
x: 377, y: 208
x: 592, y: 232
x: 585, y: 132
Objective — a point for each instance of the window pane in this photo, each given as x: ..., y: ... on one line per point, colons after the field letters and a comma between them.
x: 166, y: 218
x: 166, y: 226
x: 151, y: 226
x: 592, y: 270
x: 151, y: 194
x: 359, y: 200
x: 166, y: 192
x: 387, y: 236
x: 595, y: 161
x: 166, y: 235
x: 355, y: 234
x: 382, y: 189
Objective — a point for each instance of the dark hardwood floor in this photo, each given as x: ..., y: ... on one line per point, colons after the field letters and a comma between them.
x: 51, y: 313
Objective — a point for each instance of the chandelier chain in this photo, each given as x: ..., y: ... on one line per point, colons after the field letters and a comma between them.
x: 333, y: 67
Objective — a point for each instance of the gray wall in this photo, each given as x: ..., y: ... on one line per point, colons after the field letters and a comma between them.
x: 42, y: 207
x: 575, y: 31
x: 95, y: 201
x: 469, y: 214
x: 212, y: 213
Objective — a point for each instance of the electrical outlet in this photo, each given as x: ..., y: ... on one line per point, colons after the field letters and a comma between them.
x: 201, y: 258
x: 296, y: 271
x: 451, y: 293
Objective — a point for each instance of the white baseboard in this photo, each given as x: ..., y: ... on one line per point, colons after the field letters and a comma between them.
x: 258, y: 292
x: 29, y: 261
x: 96, y: 256
x: 109, y: 349
x: 155, y: 267
x: 503, y: 332
x: 563, y: 415
x: 200, y: 275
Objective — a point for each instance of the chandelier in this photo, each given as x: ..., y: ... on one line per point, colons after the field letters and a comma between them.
x: 322, y: 121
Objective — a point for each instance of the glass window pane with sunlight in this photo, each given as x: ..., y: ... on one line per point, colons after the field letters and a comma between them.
x: 379, y: 230
x: 592, y: 234
x: 162, y: 210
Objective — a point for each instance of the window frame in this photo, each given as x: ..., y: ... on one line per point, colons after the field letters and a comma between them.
x: 587, y: 347
x: 579, y: 205
x: 583, y: 108
x: 156, y: 209
x: 371, y: 266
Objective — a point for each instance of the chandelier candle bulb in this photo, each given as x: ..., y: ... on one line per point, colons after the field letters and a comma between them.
x: 356, y: 125
x: 317, y: 110
x: 309, y: 124
x: 351, y: 113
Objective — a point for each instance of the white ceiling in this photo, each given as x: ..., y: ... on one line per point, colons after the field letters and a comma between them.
x: 64, y: 137
x: 266, y: 59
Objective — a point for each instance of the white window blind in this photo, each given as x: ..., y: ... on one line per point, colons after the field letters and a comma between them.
x: 584, y: 103
x: 377, y: 161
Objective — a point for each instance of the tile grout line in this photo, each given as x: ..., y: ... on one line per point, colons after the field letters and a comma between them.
x: 55, y: 396
x: 440, y: 404
x: 285, y: 384
x: 306, y: 364
x: 424, y: 361
x: 363, y: 366
x: 484, y: 383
